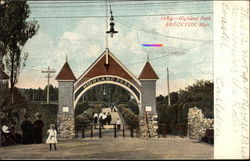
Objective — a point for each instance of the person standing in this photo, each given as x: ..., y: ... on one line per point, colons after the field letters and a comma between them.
x: 52, y: 138
x: 109, y: 118
x: 95, y: 117
x: 115, y: 109
x: 27, y: 129
x: 38, y: 129
x: 118, y: 123
x: 104, y: 117
x: 100, y: 119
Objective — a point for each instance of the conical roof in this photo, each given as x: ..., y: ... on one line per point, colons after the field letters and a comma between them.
x: 148, y: 72
x: 3, y: 75
x: 66, y: 73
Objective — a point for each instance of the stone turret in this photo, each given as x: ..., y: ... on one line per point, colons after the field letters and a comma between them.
x: 65, y: 121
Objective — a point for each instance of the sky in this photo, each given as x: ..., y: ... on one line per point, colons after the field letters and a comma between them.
x: 77, y: 29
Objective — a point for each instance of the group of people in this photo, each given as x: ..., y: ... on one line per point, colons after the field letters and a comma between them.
x: 32, y: 133
x: 113, y: 108
x: 102, y: 118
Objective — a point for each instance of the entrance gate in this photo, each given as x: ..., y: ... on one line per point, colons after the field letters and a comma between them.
x: 107, y: 69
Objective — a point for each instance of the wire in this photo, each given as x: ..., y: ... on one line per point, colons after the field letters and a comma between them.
x: 153, y: 15
x: 141, y: 4
x: 124, y: 9
x: 110, y: 7
x: 169, y: 54
x: 155, y: 32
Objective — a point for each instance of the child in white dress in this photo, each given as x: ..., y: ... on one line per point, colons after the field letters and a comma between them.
x: 52, y: 138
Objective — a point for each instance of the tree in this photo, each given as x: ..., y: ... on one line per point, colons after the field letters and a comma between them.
x: 199, y: 94
x: 15, y: 31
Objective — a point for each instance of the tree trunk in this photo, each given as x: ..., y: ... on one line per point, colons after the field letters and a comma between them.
x: 12, y: 79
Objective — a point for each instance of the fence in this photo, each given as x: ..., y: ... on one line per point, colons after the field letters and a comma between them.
x: 114, y: 130
x: 100, y: 131
x: 178, y: 129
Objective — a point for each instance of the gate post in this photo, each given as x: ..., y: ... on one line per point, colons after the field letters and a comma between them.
x: 148, y: 79
x: 65, y: 117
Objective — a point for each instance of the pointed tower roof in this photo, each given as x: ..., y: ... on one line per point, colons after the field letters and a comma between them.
x: 148, y: 72
x: 3, y: 75
x: 66, y: 73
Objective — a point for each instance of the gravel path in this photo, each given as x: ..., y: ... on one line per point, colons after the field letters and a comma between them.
x: 110, y: 148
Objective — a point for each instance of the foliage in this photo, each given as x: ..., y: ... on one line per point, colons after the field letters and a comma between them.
x: 40, y: 94
x: 13, y: 113
x: 129, y: 117
x: 15, y: 32
x: 107, y: 93
x: 84, y: 113
x: 199, y: 94
x: 133, y: 106
x: 80, y: 108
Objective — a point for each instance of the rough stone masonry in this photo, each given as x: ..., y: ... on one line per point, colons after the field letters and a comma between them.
x: 197, y: 124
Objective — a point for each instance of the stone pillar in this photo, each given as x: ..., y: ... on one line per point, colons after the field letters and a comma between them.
x: 148, y: 128
x: 65, y: 120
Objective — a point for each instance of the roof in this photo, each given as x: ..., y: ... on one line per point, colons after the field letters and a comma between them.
x: 66, y: 73
x: 115, y: 68
x: 148, y: 72
x: 3, y: 75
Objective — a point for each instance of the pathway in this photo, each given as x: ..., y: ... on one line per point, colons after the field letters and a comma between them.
x: 110, y: 148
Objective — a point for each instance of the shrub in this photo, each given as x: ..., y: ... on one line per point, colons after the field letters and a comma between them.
x: 129, y: 117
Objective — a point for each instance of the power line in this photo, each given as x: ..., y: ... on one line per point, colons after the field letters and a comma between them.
x: 103, y: 5
x: 126, y: 9
x: 169, y: 54
x: 155, y: 32
x: 98, y: 16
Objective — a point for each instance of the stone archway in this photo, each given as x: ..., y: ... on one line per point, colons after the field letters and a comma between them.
x: 106, y: 69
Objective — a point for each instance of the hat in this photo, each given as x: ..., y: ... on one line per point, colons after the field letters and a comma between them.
x: 5, y: 129
x: 38, y: 114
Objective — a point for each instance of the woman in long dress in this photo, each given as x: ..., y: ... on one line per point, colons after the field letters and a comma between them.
x: 27, y: 129
x: 38, y: 129
x: 52, y: 138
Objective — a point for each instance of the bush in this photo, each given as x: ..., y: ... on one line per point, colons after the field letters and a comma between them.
x: 129, y: 117
x: 80, y: 108
x: 199, y: 94
x: 84, y: 113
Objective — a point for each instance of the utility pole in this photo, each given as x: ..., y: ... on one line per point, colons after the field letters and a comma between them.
x: 48, y: 76
x: 168, y: 87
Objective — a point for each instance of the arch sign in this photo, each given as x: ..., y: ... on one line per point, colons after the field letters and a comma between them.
x: 107, y: 69
x: 108, y: 80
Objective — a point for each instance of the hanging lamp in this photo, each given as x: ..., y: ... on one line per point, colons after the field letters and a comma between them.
x: 112, y: 24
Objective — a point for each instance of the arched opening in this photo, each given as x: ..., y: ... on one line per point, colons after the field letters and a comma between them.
x: 103, y: 99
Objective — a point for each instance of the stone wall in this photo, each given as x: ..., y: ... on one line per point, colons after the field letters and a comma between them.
x: 151, y: 129
x: 197, y: 124
x: 66, y: 126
